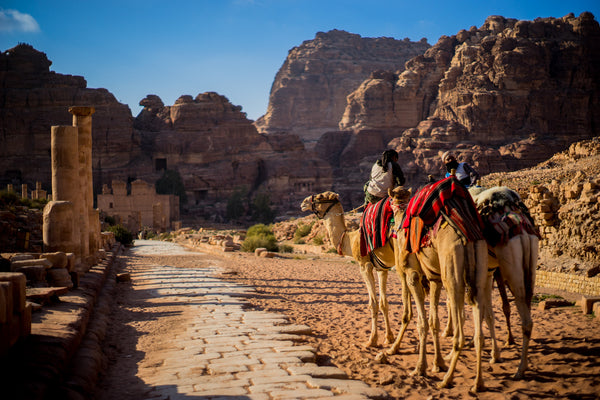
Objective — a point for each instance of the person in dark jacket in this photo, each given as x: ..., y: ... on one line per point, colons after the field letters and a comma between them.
x: 464, y: 172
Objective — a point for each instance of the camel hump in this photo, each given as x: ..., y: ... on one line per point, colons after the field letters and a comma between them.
x: 327, y: 196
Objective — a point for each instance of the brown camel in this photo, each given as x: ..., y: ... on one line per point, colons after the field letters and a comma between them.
x: 516, y: 258
x: 459, y: 266
x: 327, y: 206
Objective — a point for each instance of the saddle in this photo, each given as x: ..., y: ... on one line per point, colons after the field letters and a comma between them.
x: 375, y: 226
x: 446, y: 199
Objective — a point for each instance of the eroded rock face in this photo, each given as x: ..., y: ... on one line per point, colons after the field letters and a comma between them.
x: 506, y: 96
x: 33, y: 98
x: 218, y: 151
x: 308, y: 96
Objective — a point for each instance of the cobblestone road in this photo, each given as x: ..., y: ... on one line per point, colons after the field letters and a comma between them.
x: 197, y: 340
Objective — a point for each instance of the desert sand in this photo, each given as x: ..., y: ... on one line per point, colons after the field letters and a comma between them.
x: 327, y: 293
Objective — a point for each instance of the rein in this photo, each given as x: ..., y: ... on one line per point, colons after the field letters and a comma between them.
x: 314, y: 209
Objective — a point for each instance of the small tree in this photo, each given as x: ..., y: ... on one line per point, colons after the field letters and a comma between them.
x: 171, y: 183
x: 236, y: 204
x: 261, y: 209
x: 259, y: 236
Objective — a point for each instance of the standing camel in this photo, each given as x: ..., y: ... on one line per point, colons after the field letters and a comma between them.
x: 327, y: 206
x: 514, y: 243
x: 455, y: 262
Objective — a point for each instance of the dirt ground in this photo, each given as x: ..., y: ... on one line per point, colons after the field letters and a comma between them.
x: 327, y: 293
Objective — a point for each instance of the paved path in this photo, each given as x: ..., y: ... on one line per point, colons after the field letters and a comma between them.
x: 215, y: 347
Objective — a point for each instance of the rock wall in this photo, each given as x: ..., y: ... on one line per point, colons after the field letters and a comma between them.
x: 308, y: 95
x: 33, y: 98
x: 506, y: 96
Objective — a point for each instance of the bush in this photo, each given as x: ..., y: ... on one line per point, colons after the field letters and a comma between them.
x: 257, y: 236
x: 261, y: 208
x: 318, y: 240
x: 301, y: 231
x: 171, y: 183
x: 121, y: 234
x: 286, y: 248
x: 236, y: 204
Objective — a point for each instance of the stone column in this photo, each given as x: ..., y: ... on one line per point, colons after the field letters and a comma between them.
x: 82, y: 119
x: 24, y: 192
x: 65, y: 188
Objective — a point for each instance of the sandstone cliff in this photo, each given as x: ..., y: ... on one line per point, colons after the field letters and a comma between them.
x: 209, y: 141
x: 308, y: 95
x: 217, y: 151
x: 33, y: 98
x: 506, y: 95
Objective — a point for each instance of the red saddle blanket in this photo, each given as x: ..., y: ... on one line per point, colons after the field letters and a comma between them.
x: 501, y: 227
x: 375, y: 226
x: 447, y: 196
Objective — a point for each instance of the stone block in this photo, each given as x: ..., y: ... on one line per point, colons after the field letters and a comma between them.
x: 596, y: 309
x: 18, y: 282
x: 59, y: 277
x: 58, y: 259
x: 70, y: 261
x: 21, y: 257
x: 6, y: 300
x: 259, y: 251
x: 14, y: 265
x: 587, y: 303
x: 33, y: 273
x: 553, y: 303
x: 25, y: 320
x: 267, y: 254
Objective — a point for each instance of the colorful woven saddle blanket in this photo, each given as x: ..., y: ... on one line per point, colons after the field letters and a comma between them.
x: 499, y: 228
x: 375, y: 226
x: 447, y: 199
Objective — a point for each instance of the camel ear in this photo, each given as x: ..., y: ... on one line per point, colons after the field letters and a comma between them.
x: 390, y: 192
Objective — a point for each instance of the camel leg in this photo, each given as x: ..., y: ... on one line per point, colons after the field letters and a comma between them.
x: 416, y: 290
x: 449, y: 331
x: 452, y: 278
x: 510, y: 339
x: 434, y: 323
x: 482, y: 307
x: 366, y: 271
x: 384, y: 306
x: 406, y: 311
x: 489, y: 317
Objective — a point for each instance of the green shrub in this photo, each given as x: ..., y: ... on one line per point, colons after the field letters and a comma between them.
x: 318, y: 240
x: 237, y: 204
x: 171, y: 183
x: 257, y: 236
x: 255, y: 242
x: 286, y: 248
x: 261, y: 208
x: 110, y: 220
x: 121, y: 234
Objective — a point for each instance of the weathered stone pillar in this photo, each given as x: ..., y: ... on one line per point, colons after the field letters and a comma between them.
x: 58, y: 227
x: 82, y: 119
x: 65, y: 186
x: 10, y: 188
x: 24, y: 191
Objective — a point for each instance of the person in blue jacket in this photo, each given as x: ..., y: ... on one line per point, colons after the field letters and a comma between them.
x: 464, y: 172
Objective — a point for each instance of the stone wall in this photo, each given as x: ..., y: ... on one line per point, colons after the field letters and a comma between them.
x: 568, y: 282
x: 143, y: 207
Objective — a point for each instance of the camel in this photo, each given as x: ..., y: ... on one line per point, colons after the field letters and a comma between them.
x: 516, y: 258
x: 461, y: 266
x: 327, y: 206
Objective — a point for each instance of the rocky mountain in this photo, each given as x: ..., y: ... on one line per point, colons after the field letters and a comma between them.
x: 211, y: 144
x: 506, y: 96
x: 308, y: 95
x: 33, y: 98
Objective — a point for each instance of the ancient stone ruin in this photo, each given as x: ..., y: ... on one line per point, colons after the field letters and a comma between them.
x: 142, y: 208
x: 72, y: 240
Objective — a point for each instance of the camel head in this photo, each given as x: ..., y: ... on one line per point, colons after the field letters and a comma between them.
x: 400, y: 196
x: 320, y: 203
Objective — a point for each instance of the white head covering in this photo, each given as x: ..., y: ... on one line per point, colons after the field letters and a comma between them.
x: 446, y: 154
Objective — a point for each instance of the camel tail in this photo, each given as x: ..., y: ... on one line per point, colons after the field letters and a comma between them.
x: 470, y: 273
x: 530, y: 256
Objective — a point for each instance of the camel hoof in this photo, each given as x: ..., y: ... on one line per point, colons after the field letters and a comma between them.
x: 418, y: 372
x: 519, y: 376
x: 477, y: 388
x: 391, y: 351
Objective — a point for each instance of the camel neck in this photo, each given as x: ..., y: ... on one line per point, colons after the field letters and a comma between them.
x: 336, y: 227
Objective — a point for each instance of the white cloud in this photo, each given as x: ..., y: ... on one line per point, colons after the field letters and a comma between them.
x: 15, y: 21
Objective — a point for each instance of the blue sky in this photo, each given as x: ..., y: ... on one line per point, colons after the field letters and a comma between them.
x: 232, y: 47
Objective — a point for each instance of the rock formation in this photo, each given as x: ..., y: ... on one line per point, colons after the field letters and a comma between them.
x: 218, y: 151
x: 33, y: 98
x: 506, y: 95
x: 211, y: 144
x: 308, y: 96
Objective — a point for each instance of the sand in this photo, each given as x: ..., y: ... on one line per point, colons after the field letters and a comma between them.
x: 327, y: 293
